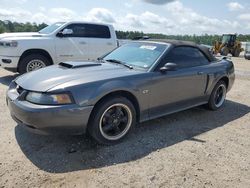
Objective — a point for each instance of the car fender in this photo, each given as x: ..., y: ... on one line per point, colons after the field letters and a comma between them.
x: 114, y: 86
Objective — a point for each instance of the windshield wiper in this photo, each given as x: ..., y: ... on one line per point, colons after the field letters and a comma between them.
x: 120, y: 63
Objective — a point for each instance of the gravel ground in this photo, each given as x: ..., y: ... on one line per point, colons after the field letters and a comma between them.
x: 193, y: 148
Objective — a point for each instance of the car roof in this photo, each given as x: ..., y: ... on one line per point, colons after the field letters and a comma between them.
x: 177, y: 43
x: 83, y: 22
x: 174, y: 42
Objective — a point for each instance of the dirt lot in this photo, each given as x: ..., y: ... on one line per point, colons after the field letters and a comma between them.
x: 194, y: 148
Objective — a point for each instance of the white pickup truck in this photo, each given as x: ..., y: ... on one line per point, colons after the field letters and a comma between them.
x: 59, y: 42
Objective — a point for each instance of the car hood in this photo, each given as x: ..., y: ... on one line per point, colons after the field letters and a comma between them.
x: 47, y: 78
x: 21, y: 34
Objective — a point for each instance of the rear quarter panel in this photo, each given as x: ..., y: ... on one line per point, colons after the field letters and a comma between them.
x: 218, y: 70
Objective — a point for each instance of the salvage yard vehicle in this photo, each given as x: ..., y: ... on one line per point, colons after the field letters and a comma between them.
x: 136, y: 82
x: 59, y: 42
x: 228, y: 45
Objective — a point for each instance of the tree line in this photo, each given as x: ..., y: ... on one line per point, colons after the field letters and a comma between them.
x: 9, y: 26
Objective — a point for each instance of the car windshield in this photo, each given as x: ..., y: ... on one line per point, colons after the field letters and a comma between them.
x: 139, y: 54
x: 51, y: 28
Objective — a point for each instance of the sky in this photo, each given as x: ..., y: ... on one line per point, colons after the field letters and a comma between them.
x: 150, y: 16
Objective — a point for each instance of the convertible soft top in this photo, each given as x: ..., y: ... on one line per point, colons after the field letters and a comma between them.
x: 176, y: 43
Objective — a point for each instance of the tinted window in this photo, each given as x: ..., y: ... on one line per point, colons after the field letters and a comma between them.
x: 97, y: 31
x: 89, y: 31
x: 186, y: 57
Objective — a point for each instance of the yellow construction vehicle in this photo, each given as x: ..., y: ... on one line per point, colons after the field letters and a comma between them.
x: 228, y: 45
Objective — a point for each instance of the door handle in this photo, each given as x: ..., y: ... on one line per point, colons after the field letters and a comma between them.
x: 200, y: 73
x: 83, y: 43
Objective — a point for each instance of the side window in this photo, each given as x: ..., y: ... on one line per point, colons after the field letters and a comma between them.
x: 79, y: 30
x: 97, y: 31
x: 89, y: 31
x: 186, y: 57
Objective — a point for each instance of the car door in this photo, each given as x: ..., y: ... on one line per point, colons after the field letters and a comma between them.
x: 72, y: 46
x: 100, y: 40
x: 181, y: 88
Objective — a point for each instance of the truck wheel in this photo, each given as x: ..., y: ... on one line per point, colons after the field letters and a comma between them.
x: 111, y: 120
x: 32, y: 62
x: 224, y: 51
x: 218, y: 96
x: 237, y: 53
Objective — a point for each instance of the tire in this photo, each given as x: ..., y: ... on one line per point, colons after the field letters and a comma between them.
x: 112, y: 120
x: 236, y: 53
x: 217, y: 98
x: 33, y: 62
x: 224, y: 51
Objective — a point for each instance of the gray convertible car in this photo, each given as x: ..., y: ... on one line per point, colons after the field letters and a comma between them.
x: 136, y: 82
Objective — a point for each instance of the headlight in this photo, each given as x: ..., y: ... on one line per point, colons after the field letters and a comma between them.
x: 9, y: 43
x: 49, y: 99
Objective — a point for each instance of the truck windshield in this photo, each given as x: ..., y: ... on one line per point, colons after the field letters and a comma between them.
x: 138, y: 54
x: 51, y: 28
x: 226, y: 39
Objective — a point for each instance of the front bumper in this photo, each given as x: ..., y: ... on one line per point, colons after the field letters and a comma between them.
x: 41, y: 119
x: 9, y: 62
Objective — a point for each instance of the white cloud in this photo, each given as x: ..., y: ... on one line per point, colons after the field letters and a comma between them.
x: 13, y: 1
x: 177, y: 19
x: 245, y: 17
x: 128, y: 5
x: 49, y: 16
x: 41, y: 18
x: 158, y: 2
x: 146, y: 21
x: 190, y: 21
x: 100, y: 15
x: 134, y: 21
x: 63, y: 13
x: 42, y: 9
x: 14, y: 14
x: 234, y: 6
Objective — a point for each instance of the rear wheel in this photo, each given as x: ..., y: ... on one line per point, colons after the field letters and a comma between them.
x: 218, y: 96
x: 33, y: 62
x: 237, y: 52
x: 111, y: 120
x: 224, y: 51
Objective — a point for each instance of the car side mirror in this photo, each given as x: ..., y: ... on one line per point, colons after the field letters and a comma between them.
x: 65, y: 32
x: 169, y: 67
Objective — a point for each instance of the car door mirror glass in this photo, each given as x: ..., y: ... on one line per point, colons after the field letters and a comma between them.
x: 64, y: 33
x: 67, y: 32
x: 169, y: 67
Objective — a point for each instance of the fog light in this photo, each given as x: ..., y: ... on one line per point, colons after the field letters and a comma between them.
x: 6, y: 61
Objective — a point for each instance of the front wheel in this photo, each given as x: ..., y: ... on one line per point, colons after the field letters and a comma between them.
x: 218, y: 96
x: 33, y: 62
x: 111, y: 120
x: 224, y: 51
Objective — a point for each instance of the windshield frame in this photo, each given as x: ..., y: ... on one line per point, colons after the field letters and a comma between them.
x: 55, y: 30
x: 155, y: 62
